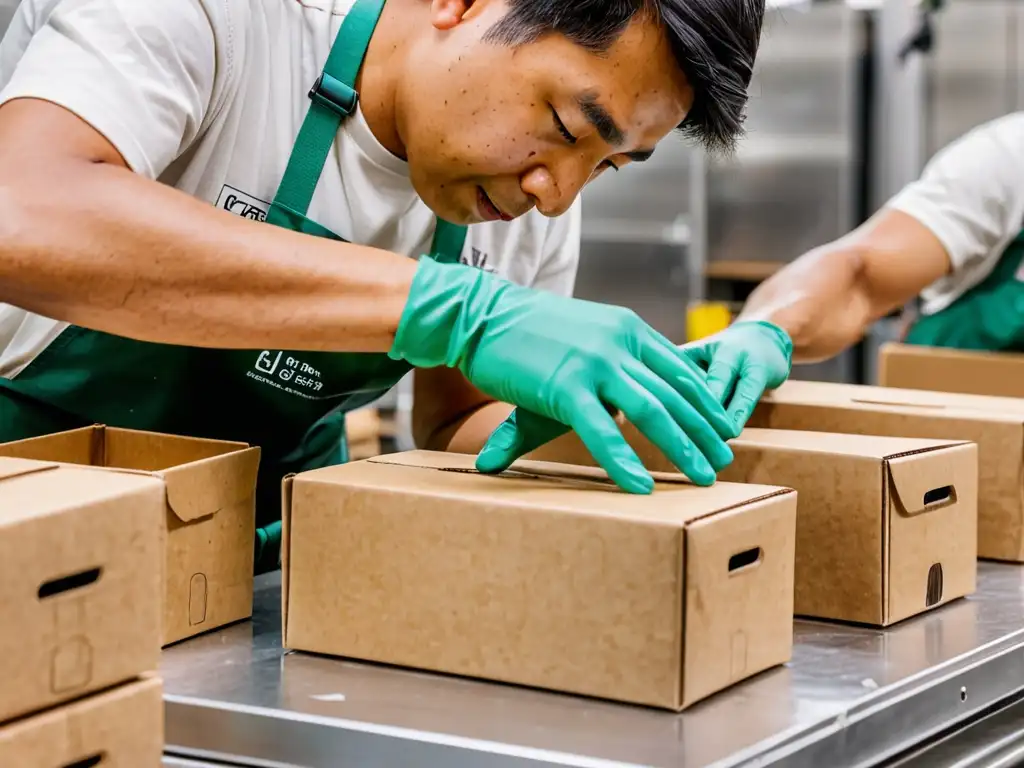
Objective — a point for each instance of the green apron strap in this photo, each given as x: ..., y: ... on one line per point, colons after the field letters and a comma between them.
x: 334, y: 98
x: 448, y: 241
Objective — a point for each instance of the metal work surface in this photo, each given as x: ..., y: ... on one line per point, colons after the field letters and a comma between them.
x: 851, y: 696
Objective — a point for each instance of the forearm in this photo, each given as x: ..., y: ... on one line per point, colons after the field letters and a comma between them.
x: 469, y: 432
x: 820, y: 300
x: 95, y: 245
x: 828, y: 298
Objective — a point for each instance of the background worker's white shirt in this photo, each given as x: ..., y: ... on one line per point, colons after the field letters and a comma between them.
x: 971, y: 196
x: 208, y: 96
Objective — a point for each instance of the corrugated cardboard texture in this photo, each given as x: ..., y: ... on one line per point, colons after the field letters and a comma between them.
x: 539, y: 579
x: 210, y: 514
x: 867, y: 541
x: 80, y: 582
x: 951, y: 370
x: 119, y: 728
x: 996, y: 424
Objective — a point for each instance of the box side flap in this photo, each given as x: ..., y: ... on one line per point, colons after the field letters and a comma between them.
x: 72, y: 447
x: 10, y: 468
x: 286, y: 542
x: 932, y: 555
x: 203, y: 488
x: 154, y: 452
x: 927, y: 481
x: 744, y: 560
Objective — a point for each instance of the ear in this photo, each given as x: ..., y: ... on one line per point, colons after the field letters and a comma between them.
x: 447, y: 14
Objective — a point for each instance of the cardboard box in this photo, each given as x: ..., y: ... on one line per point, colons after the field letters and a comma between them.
x: 911, y: 366
x: 886, y: 526
x: 119, y: 728
x: 209, y: 519
x: 80, y: 582
x: 544, y: 576
x: 996, y: 424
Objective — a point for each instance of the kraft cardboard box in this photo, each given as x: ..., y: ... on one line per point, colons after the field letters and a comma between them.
x: 546, y: 576
x: 120, y: 728
x: 80, y: 582
x: 910, y: 366
x: 995, y: 424
x: 886, y: 526
x: 209, y: 517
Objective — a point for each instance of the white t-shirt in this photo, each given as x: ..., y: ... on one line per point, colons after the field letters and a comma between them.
x: 208, y: 96
x: 971, y: 196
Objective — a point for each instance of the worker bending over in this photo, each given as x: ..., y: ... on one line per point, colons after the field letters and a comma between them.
x: 954, y: 237
x: 147, y: 148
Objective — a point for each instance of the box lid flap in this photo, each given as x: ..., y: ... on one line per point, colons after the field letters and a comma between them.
x: 16, y: 467
x: 922, y: 486
x: 203, y: 488
x: 1010, y: 409
x: 541, y: 484
x: 868, y: 446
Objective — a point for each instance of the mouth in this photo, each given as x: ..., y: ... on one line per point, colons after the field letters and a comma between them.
x: 488, y: 210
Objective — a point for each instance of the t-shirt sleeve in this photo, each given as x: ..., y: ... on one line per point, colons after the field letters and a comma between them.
x: 561, y: 253
x: 141, y: 72
x: 971, y: 194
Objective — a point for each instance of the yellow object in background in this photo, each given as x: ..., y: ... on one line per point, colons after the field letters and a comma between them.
x: 707, y: 318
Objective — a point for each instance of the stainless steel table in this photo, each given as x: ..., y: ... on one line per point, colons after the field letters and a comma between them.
x: 852, y: 696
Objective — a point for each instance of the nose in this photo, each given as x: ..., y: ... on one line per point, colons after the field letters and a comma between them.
x: 555, y: 187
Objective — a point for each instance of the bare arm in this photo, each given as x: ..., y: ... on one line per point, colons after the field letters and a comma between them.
x: 85, y: 240
x: 828, y: 298
x: 450, y: 414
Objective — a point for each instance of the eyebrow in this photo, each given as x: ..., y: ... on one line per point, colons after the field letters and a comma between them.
x: 606, y: 126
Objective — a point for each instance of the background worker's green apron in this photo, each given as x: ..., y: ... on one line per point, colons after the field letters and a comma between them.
x: 990, y: 316
x: 291, y: 404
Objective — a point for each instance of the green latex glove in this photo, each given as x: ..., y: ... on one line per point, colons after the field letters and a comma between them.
x: 566, y: 361
x: 742, y: 362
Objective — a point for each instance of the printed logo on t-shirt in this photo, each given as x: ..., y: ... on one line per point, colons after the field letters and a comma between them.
x: 239, y: 203
x: 477, y: 258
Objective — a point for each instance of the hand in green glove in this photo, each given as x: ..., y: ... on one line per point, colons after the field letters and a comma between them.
x: 742, y: 362
x: 566, y: 361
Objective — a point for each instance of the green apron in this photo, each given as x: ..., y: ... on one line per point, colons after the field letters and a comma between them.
x: 988, y: 317
x: 291, y: 404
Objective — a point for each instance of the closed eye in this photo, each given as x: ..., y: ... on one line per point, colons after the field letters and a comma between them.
x: 572, y: 139
x: 561, y: 128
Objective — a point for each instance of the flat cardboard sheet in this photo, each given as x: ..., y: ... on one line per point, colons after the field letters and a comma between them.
x: 121, y: 727
x: 545, y: 576
x: 911, y: 366
x: 995, y: 424
x: 886, y: 526
x: 80, y: 582
x: 209, y: 518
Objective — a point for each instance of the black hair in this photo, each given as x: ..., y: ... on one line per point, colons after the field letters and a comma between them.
x: 714, y: 42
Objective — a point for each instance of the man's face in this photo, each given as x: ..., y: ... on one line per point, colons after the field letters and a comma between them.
x: 492, y: 131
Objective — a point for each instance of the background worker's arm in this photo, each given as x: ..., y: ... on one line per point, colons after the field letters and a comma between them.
x: 967, y: 202
x: 87, y: 241
x: 827, y: 298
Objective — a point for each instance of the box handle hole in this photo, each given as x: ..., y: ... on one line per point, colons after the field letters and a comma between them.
x: 745, y: 559
x: 938, y: 495
x: 68, y: 583
x: 934, y: 592
x: 89, y: 762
